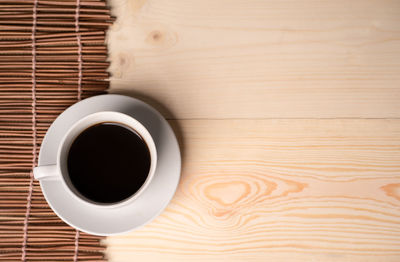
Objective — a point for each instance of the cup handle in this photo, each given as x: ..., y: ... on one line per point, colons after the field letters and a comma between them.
x: 49, y: 172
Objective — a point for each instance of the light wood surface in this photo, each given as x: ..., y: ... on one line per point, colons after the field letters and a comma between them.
x: 287, y: 115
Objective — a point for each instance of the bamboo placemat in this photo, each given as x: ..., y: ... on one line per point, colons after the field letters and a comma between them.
x: 52, y: 54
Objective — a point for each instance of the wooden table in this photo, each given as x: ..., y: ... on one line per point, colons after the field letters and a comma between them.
x: 287, y: 113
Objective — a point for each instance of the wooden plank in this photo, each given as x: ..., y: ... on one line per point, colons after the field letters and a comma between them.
x: 260, y: 59
x: 278, y: 190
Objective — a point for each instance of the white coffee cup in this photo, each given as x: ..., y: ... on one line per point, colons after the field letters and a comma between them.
x: 59, y: 170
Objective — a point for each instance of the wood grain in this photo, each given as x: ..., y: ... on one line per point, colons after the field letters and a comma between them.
x: 286, y: 190
x: 267, y: 99
x: 260, y: 59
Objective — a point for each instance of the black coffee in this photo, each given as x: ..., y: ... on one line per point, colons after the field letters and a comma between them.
x: 108, y: 162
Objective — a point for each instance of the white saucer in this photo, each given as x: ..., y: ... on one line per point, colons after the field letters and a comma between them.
x: 101, y: 221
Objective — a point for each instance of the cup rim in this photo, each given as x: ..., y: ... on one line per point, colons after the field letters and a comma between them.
x: 146, y: 137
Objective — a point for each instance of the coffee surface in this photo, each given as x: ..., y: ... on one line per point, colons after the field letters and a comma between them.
x: 108, y: 162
